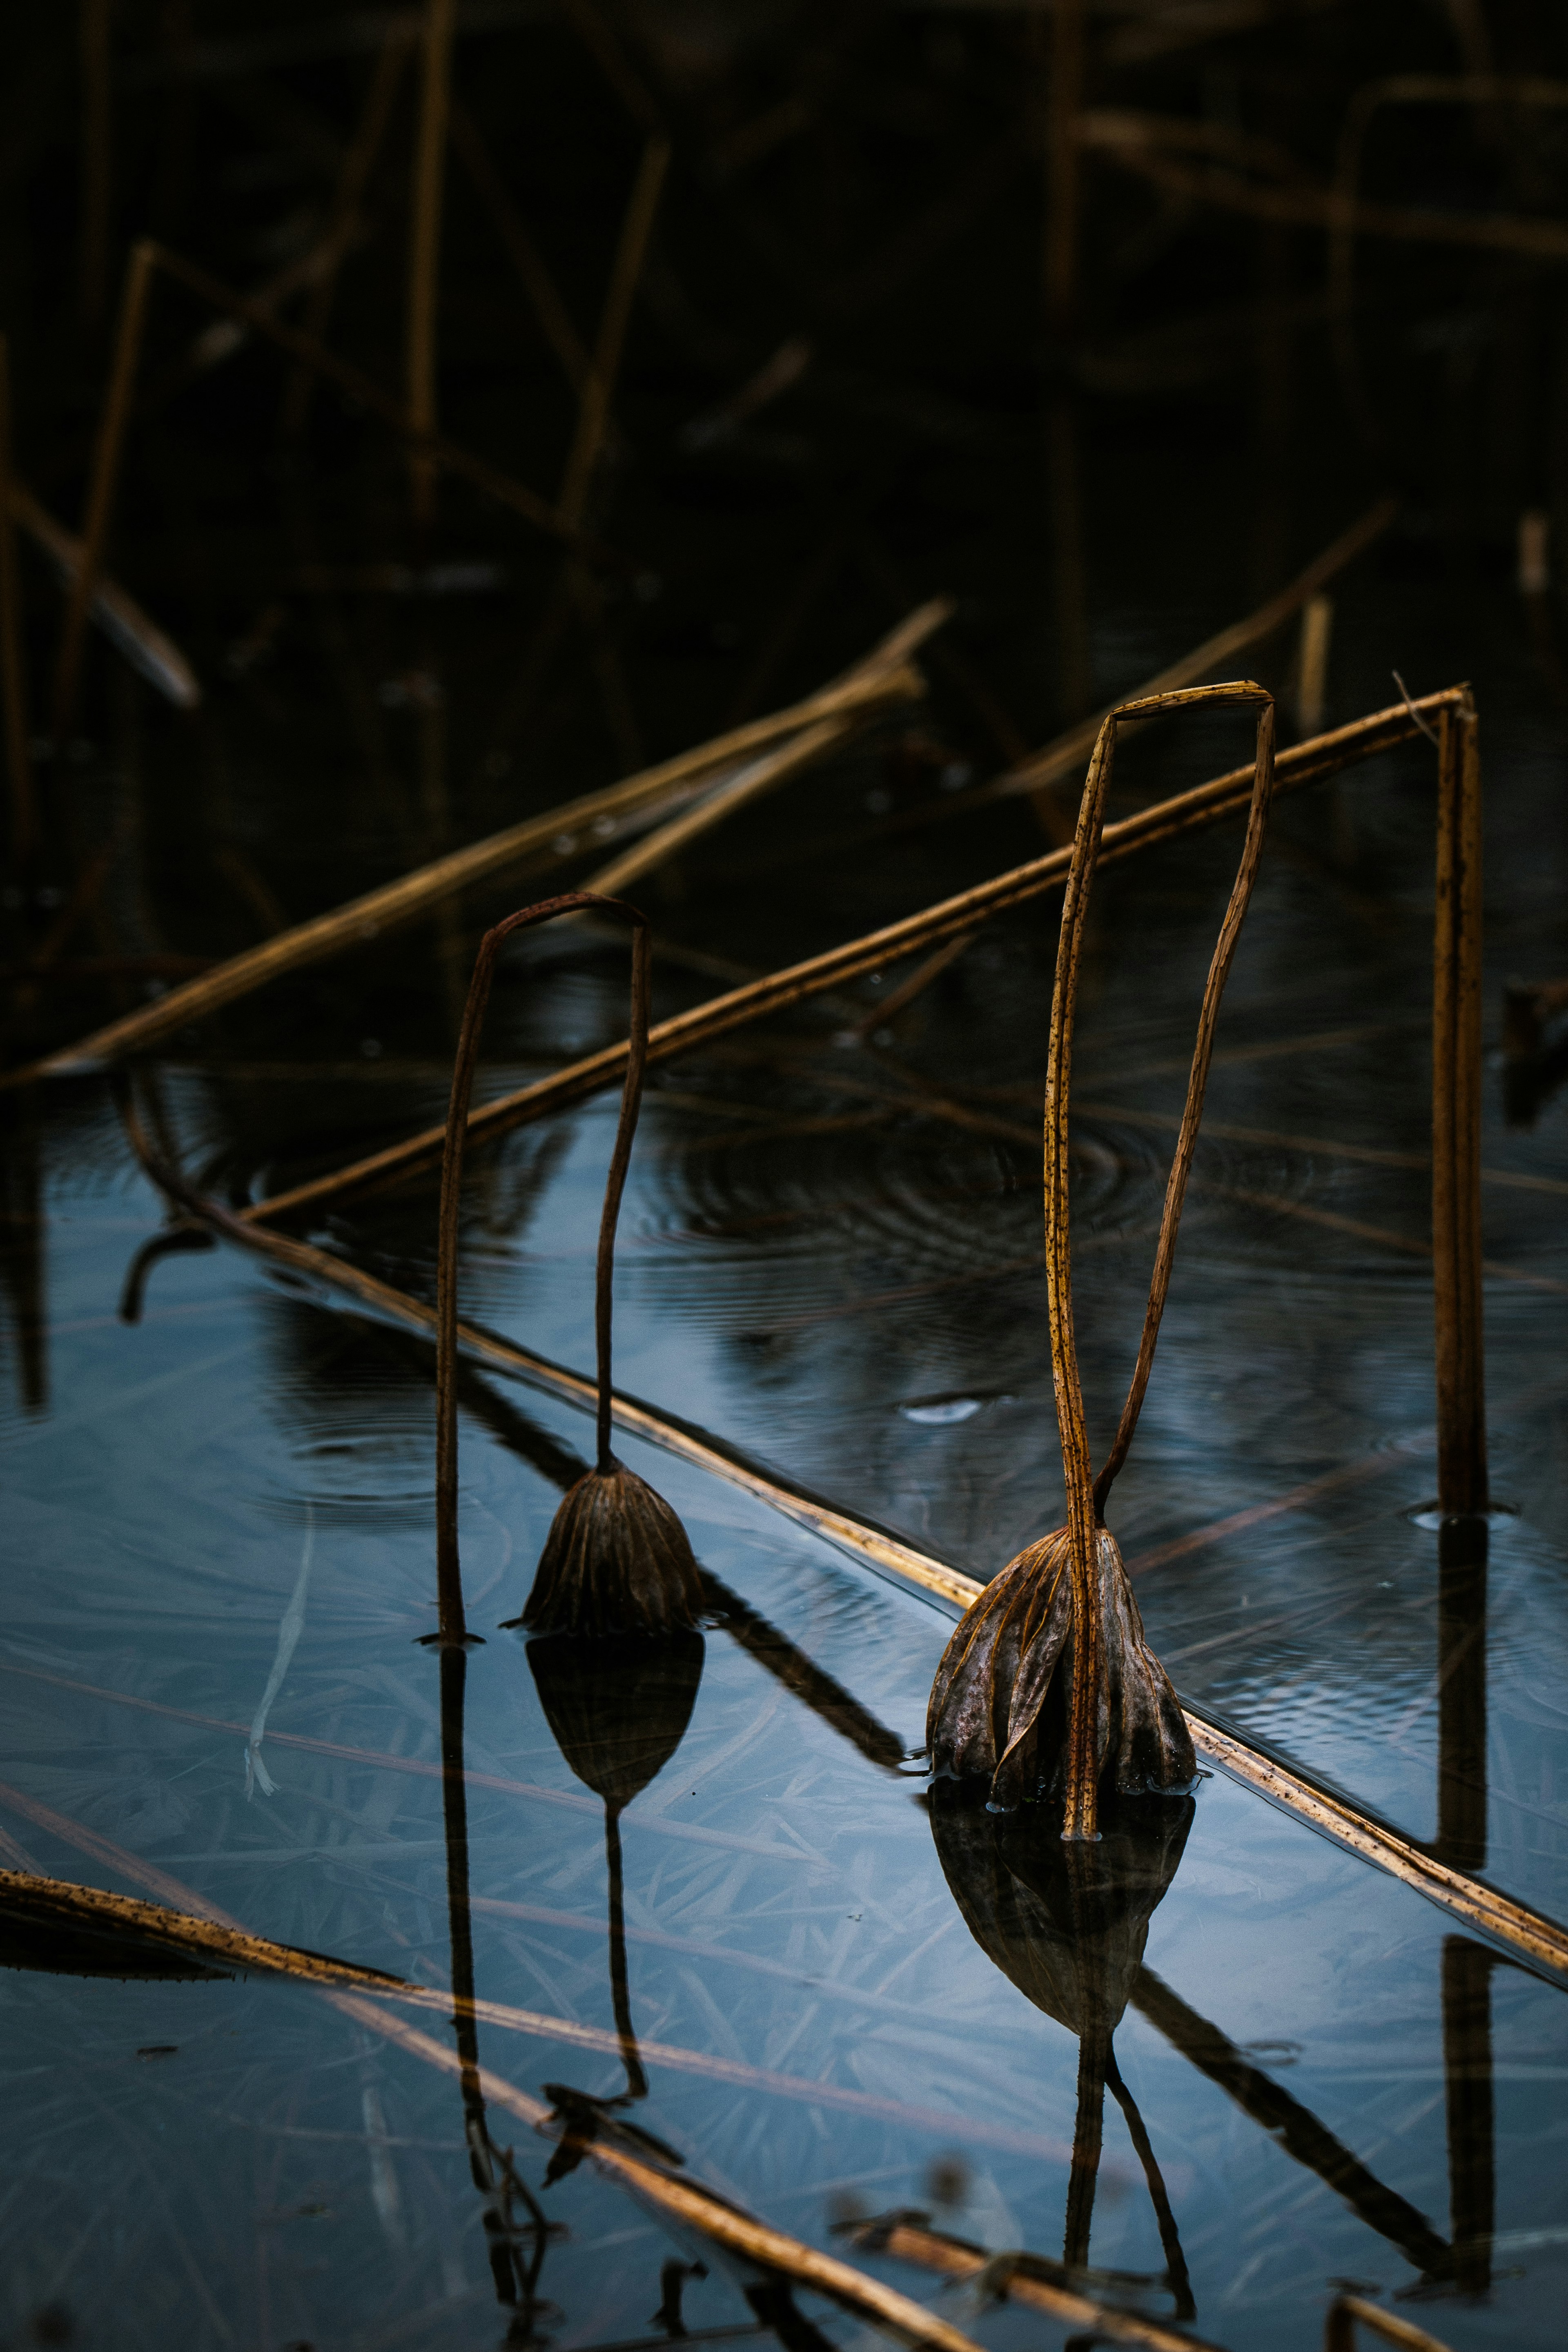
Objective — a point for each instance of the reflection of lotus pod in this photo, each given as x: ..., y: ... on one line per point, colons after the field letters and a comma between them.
x: 618, y: 1708
x: 616, y: 1560
x: 1066, y: 1922
x: 999, y: 1703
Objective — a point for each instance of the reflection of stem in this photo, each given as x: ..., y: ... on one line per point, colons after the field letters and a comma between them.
x: 1093, y: 2050
x: 1170, y: 2238
x: 1295, y: 2127
x: 1093, y: 2054
x: 1457, y: 1121
x: 493, y: 2175
x: 1461, y: 1838
x: 637, y: 2081
x: 1468, y: 2070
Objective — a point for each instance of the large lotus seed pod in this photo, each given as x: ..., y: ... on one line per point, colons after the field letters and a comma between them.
x: 616, y: 1560
x: 999, y: 1705
x: 1049, y: 1686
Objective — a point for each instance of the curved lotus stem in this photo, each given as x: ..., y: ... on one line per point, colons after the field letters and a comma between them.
x: 1085, y: 1494
x: 449, y: 1572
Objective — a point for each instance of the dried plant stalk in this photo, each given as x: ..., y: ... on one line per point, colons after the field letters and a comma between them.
x: 12, y: 673
x: 1542, y: 1942
x: 1190, y: 811
x: 95, y: 160
x: 116, y: 416
x: 1064, y: 1608
x: 617, y: 1558
x: 906, y: 2239
x: 353, y: 176
x: 147, y: 648
x: 1142, y: 143
x: 599, y: 384
x: 1346, y: 2310
x: 1457, y: 1120
x: 424, y: 250
x: 1062, y: 757
x: 444, y: 456
x: 882, y: 678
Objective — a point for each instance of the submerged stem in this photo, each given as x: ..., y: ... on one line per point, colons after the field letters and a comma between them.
x: 448, y: 1573
x: 620, y: 1994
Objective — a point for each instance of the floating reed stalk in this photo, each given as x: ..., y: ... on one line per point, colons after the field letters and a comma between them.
x: 617, y: 1559
x: 1191, y: 811
x: 1542, y: 1943
x: 760, y: 775
x: 1347, y: 2311
x: 879, y: 680
x: 1063, y: 756
x: 1456, y: 1120
x: 997, y: 1706
x: 196, y: 1926
x: 424, y: 249
x: 107, y: 453
x: 1038, y: 2286
x: 147, y: 647
x: 13, y: 668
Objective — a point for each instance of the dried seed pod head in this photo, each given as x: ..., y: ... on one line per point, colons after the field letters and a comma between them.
x: 1000, y: 1704
x: 616, y: 1560
x: 1066, y: 1922
x: 618, y: 1707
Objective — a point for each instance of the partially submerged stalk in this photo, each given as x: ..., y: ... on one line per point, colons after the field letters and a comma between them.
x: 999, y: 1704
x: 617, y: 1558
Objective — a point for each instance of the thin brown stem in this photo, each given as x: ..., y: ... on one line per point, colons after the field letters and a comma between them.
x: 13, y: 671
x: 107, y: 455
x: 881, y: 680
x: 1187, y: 1138
x: 1088, y: 1666
x: 1083, y: 1496
x: 554, y: 319
x: 425, y: 248
x: 353, y: 176
x: 97, y: 147
x: 1481, y: 1908
x: 598, y: 389
x: 448, y: 1574
x: 1224, y: 796
x: 620, y: 1995
x: 444, y: 455
x: 1456, y: 1121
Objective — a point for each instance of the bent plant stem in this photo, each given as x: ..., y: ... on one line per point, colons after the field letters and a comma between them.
x: 620, y: 1993
x: 1191, y: 1115
x: 449, y: 1572
x: 1086, y: 1494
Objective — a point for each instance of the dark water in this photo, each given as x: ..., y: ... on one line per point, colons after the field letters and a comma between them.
x: 227, y: 1509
